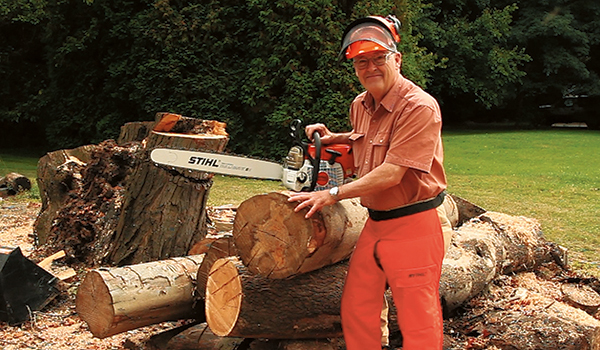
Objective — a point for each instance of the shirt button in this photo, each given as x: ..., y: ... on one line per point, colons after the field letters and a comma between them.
x: 380, y: 141
x: 370, y: 141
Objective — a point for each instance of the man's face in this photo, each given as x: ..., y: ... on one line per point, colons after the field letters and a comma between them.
x: 377, y: 79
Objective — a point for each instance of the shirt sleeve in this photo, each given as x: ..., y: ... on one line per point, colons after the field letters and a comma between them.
x: 415, y: 137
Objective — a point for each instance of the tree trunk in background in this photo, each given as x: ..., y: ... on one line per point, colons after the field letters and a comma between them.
x: 163, y: 207
x: 276, y: 242
x: 115, y: 300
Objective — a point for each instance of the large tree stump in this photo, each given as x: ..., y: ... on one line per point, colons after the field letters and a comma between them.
x: 276, y: 242
x: 163, y: 207
x: 134, y: 132
x: 115, y: 300
x: 241, y: 304
x: 84, y: 224
x: 58, y: 173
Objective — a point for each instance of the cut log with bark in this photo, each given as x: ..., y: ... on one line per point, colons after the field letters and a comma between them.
x: 115, y: 300
x: 221, y: 247
x: 196, y: 337
x: 58, y: 173
x: 276, y: 242
x: 487, y: 247
x: 163, y: 207
x: 13, y: 183
x: 241, y: 304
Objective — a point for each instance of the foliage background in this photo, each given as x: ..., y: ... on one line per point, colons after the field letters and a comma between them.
x: 74, y: 71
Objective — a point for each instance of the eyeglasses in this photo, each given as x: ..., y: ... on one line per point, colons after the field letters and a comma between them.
x: 362, y: 63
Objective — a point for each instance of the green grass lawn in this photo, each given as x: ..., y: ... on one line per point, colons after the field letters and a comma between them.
x: 550, y: 175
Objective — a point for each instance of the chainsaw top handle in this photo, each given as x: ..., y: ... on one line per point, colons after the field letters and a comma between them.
x: 296, y: 127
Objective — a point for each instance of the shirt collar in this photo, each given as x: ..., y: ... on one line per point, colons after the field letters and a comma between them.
x: 389, y: 100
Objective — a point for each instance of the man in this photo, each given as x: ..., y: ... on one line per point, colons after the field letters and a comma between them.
x: 397, y: 147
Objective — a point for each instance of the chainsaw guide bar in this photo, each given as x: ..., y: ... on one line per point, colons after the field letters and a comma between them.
x: 218, y: 163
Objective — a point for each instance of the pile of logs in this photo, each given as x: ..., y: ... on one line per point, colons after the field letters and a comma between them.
x: 274, y: 280
x: 491, y: 258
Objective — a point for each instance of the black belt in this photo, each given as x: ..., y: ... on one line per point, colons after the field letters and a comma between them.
x: 378, y: 215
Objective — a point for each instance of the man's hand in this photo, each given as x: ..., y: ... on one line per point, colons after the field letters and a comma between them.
x: 326, y: 135
x: 312, y: 200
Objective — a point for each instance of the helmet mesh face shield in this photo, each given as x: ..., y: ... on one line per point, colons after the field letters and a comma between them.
x: 368, y: 32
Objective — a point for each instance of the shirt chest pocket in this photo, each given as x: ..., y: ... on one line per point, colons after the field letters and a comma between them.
x: 380, y: 144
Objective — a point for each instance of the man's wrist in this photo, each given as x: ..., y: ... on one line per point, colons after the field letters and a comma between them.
x: 334, y: 192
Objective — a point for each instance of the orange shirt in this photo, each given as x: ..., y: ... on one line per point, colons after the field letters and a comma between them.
x: 405, y: 130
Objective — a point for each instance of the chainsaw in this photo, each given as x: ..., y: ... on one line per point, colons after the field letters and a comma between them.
x: 307, y: 166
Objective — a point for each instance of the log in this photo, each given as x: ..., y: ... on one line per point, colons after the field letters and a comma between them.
x: 298, y: 344
x: 241, y: 304
x: 200, y: 337
x: 13, y: 183
x: 115, y: 300
x: 163, y: 207
x: 487, y: 247
x: 58, y: 173
x: 221, y: 247
x: 274, y: 241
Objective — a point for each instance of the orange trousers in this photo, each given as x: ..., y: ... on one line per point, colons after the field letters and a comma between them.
x: 407, y: 254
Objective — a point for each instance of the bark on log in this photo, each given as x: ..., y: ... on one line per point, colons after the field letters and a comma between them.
x: 13, y: 183
x: 241, y: 304
x: 486, y: 247
x: 298, y: 344
x: 58, y: 173
x: 115, y: 300
x: 164, y: 208
x: 221, y: 247
x: 276, y: 242
x: 200, y: 337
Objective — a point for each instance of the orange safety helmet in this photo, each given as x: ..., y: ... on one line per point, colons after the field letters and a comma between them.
x: 372, y: 33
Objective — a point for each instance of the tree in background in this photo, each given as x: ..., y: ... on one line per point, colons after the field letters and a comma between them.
x: 563, y: 38
x: 480, y: 70
x: 22, y: 68
x: 79, y: 69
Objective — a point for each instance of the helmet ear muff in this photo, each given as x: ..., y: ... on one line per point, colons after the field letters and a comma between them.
x: 396, y: 24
